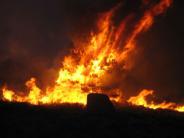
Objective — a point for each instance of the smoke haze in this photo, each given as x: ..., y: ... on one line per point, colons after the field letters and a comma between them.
x: 36, y: 35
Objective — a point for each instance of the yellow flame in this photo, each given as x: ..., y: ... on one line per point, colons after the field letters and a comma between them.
x: 86, y: 68
x: 8, y: 94
x: 140, y: 100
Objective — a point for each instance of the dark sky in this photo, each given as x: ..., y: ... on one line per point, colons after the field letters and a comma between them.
x: 36, y: 34
x: 163, y: 56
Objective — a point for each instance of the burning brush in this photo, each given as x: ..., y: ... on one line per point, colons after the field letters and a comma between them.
x: 91, y: 66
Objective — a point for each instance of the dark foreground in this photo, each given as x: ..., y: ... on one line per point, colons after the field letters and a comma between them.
x: 22, y: 120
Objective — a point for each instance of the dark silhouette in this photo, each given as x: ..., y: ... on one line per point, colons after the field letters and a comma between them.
x: 99, y: 103
x: 64, y: 121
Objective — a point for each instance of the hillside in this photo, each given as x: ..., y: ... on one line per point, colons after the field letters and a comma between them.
x: 23, y: 120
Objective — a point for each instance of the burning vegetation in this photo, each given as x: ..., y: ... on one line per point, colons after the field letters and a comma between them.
x: 92, y: 66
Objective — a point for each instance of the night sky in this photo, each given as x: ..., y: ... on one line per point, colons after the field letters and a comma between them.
x: 35, y: 35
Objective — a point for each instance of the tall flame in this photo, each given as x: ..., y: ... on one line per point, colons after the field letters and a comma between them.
x: 86, y: 68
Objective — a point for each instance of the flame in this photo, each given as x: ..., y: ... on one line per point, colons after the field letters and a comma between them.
x: 8, y: 94
x: 140, y: 100
x: 85, y: 70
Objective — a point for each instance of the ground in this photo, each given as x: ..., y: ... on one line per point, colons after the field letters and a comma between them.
x: 24, y: 120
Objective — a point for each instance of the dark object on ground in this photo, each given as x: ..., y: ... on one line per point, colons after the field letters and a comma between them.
x: 99, y: 103
x: 71, y: 121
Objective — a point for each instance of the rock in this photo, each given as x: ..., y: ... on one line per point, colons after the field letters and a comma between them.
x: 99, y: 103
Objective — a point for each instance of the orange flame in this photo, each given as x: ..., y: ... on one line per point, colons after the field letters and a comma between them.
x: 86, y: 69
x: 140, y: 100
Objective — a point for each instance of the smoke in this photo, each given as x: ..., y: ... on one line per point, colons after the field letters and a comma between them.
x: 160, y: 66
x: 36, y: 35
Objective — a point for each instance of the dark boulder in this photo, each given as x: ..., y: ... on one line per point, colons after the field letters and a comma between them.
x: 99, y: 103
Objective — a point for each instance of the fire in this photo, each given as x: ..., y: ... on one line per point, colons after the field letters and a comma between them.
x: 141, y: 100
x: 85, y: 70
x: 7, y: 94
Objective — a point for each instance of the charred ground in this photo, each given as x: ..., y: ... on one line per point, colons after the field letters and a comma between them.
x: 23, y: 120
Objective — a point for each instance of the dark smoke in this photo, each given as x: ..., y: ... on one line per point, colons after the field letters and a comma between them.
x: 161, y: 66
x: 36, y: 34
